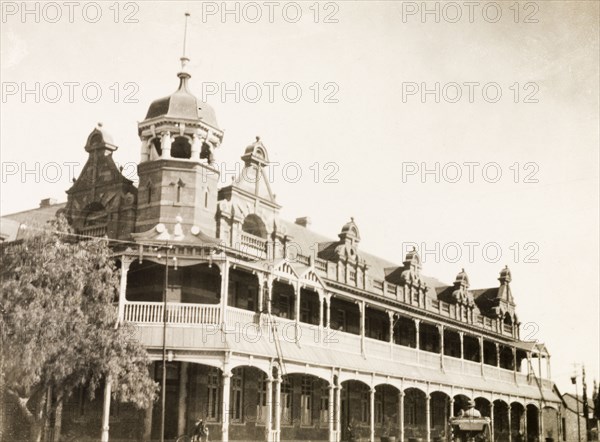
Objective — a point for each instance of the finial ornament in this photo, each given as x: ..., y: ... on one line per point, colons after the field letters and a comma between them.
x: 184, y: 58
x: 258, y: 138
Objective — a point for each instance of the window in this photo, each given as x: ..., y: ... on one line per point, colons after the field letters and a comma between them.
x: 306, y: 401
x: 206, y: 198
x: 324, y: 406
x: 237, y: 405
x: 261, y: 400
x: 286, y: 402
x: 285, y: 306
x: 364, y: 406
x: 212, y: 412
x: 340, y: 318
x: 180, y: 186
x: 305, y: 312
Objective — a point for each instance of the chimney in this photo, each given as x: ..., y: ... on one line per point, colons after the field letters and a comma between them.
x: 303, y: 221
x: 47, y: 202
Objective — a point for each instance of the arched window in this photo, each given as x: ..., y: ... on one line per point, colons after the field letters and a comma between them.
x: 254, y: 226
x: 181, y: 148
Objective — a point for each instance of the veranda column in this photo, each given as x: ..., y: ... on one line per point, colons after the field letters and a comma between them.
x: 441, y: 332
x: 181, y: 415
x: 524, y: 420
x: 539, y: 365
x: 481, y: 353
x: 338, y: 412
x: 548, y: 370
x: 452, y: 407
x: 401, y: 414
x: 269, y: 294
x: 328, y: 312
x: 514, y: 352
x: 417, y: 322
x: 261, y: 294
x: 297, y: 309
x: 372, y: 414
x: 269, y: 416
x: 540, y: 423
x: 509, y: 424
x: 225, y: 409
x: 277, y: 408
x: 106, y: 410
x: 224, y: 287
x: 321, y: 299
x: 428, y: 416
x: 362, y: 309
x: 330, y: 412
x: 125, y: 263
x: 462, y: 348
x: 497, y: 355
x: 391, y: 317
x: 529, y: 366
x: 492, y: 418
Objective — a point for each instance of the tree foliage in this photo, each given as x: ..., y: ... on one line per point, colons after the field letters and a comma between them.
x: 59, y: 324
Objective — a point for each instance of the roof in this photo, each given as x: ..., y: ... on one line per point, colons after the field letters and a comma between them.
x: 378, y: 267
x: 182, y: 104
x: 38, y: 216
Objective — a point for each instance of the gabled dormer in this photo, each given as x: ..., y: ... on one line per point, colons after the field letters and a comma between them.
x: 101, y: 200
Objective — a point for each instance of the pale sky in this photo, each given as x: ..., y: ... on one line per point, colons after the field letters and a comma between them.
x: 362, y: 55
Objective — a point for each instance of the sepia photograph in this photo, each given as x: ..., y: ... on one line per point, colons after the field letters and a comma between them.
x: 312, y: 220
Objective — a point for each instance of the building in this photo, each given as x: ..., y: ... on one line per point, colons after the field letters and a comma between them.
x: 584, y: 430
x: 275, y: 332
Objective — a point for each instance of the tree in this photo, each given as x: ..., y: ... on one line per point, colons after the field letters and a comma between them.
x: 58, y: 326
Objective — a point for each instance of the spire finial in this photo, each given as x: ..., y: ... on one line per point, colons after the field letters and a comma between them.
x: 184, y: 58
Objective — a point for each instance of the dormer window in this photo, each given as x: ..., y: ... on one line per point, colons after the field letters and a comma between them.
x: 254, y: 226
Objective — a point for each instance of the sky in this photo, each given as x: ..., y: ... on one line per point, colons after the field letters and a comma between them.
x: 470, y: 130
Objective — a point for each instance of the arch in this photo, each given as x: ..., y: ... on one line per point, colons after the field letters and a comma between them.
x: 508, y: 320
x: 181, y: 148
x: 501, y: 428
x: 254, y: 225
x: 440, y: 412
x: 533, y: 421
x: 461, y: 402
x: 517, y: 421
x: 550, y: 421
x: 355, y: 410
x: 484, y: 406
x: 415, y: 424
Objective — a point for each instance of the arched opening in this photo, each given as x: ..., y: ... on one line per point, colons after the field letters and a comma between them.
x: 517, y: 422
x: 387, y: 422
x: 304, y: 408
x: 461, y: 402
x: 484, y: 406
x: 501, y: 428
x: 254, y: 226
x: 440, y: 413
x: 415, y: 423
x: 429, y: 337
x: 181, y: 148
x: 355, y: 410
x: 508, y: 319
x: 156, y: 144
x: 533, y: 423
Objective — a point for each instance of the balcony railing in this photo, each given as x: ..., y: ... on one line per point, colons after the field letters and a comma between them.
x: 254, y: 245
x: 177, y: 313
